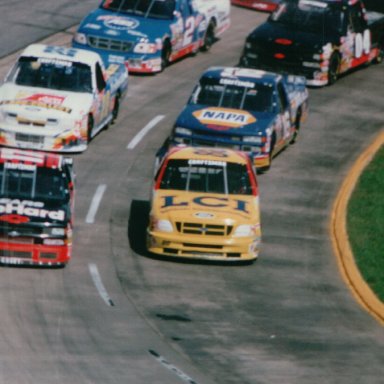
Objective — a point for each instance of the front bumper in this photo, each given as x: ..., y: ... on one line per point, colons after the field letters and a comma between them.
x: 69, y: 143
x: 208, y: 248
x: 14, y: 252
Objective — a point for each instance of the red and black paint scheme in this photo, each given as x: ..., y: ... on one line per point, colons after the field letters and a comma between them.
x: 36, y: 208
x: 318, y: 39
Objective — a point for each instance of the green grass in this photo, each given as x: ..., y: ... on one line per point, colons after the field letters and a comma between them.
x: 365, y: 224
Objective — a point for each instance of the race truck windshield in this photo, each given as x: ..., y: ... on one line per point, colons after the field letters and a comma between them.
x: 206, y: 176
x: 53, y: 74
x: 156, y: 9
x: 23, y: 181
x: 309, y: 16
x: 237, y: 94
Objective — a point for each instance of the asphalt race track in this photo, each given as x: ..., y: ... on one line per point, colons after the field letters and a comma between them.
x: 115, y: 315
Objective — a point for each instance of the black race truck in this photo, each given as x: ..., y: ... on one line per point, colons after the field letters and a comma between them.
x: 318, y: 39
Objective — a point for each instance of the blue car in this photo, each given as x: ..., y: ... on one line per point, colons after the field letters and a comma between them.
x: 148, y: 34
x: 254, y: 111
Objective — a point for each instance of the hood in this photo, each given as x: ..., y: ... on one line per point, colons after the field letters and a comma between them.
x: 14, y: 212
x: 218, y: 209
x: 43, y: 102
x: 301, y: 41
x: 113, y: 25
x: 225, y: 120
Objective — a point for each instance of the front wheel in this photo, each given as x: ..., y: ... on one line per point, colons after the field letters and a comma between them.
x: 333, y: 70
x: 270, y: 156
x: 89, y: 128
x: 116, y: 108
x: 165, y: 55
x: 380, y: 56
x: 209, y: 38
x: 297, y: 127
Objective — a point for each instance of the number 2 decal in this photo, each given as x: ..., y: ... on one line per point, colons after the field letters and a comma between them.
x: 189, y: 30
x: 362, y: 43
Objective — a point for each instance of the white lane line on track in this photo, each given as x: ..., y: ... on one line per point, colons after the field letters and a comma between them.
x: 93, y: 270
x: 95, y: 203
x: 132, y: 144
x: 171, y: 367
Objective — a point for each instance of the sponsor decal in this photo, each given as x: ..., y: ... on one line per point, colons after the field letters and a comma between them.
x: 206, y: 201
x: 118, y: 22
x: 31, y: 209
x: 229, y: 118
x: 41, y: 100
x: 14, y: 219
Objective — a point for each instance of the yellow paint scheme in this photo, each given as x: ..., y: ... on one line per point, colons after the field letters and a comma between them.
x: 205, y: 226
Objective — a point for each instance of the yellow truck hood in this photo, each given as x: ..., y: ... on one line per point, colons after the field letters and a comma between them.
x: 205, y: 207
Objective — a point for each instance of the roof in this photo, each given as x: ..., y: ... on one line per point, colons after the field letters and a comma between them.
x: 61, y: 53
x: 40, y: 159
x: 245, y: 74
x: 183, y: 152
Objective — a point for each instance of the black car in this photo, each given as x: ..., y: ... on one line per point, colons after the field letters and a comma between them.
x: 318, y: 39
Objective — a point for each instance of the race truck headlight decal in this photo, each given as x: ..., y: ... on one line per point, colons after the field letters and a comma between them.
x: 58, y: 231
x: 183, y: 131
x: 311, y: 65
x: 162, y: 225
x: 80, y: 38
x: 244, y: 230
x: 254, y: 139
x: 145, y: 48
x: 54, y: 242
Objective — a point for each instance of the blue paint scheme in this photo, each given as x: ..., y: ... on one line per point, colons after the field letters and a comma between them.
x: 266, y: 129
x: 138, y: 40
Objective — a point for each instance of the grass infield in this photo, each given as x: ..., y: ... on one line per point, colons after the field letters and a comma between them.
x: 365, y: 224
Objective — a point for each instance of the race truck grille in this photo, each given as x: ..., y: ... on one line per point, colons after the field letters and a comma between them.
x: 16, y: 254
x: 10, y: 232
x: 18, y: 240
x: 109, y: 44
x: 34, y: 139
x: 203, y: 229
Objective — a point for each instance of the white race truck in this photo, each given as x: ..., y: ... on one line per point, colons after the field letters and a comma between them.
x: 56, y: 98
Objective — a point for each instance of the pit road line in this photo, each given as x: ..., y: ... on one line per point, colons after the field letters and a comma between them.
x: 339, y: 236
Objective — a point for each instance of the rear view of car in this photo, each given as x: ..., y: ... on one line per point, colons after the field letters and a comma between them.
x: 36, y: 205
x: 205, y: 205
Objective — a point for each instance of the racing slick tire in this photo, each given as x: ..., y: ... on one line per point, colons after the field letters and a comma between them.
x: 270, y: 156
x: 297, y: 127
x: 90, y: 128
x: 209, y: 37
x: 380, y: 57
x: 116, y: 109
x: 334, y: 68
x: 165, y: 55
